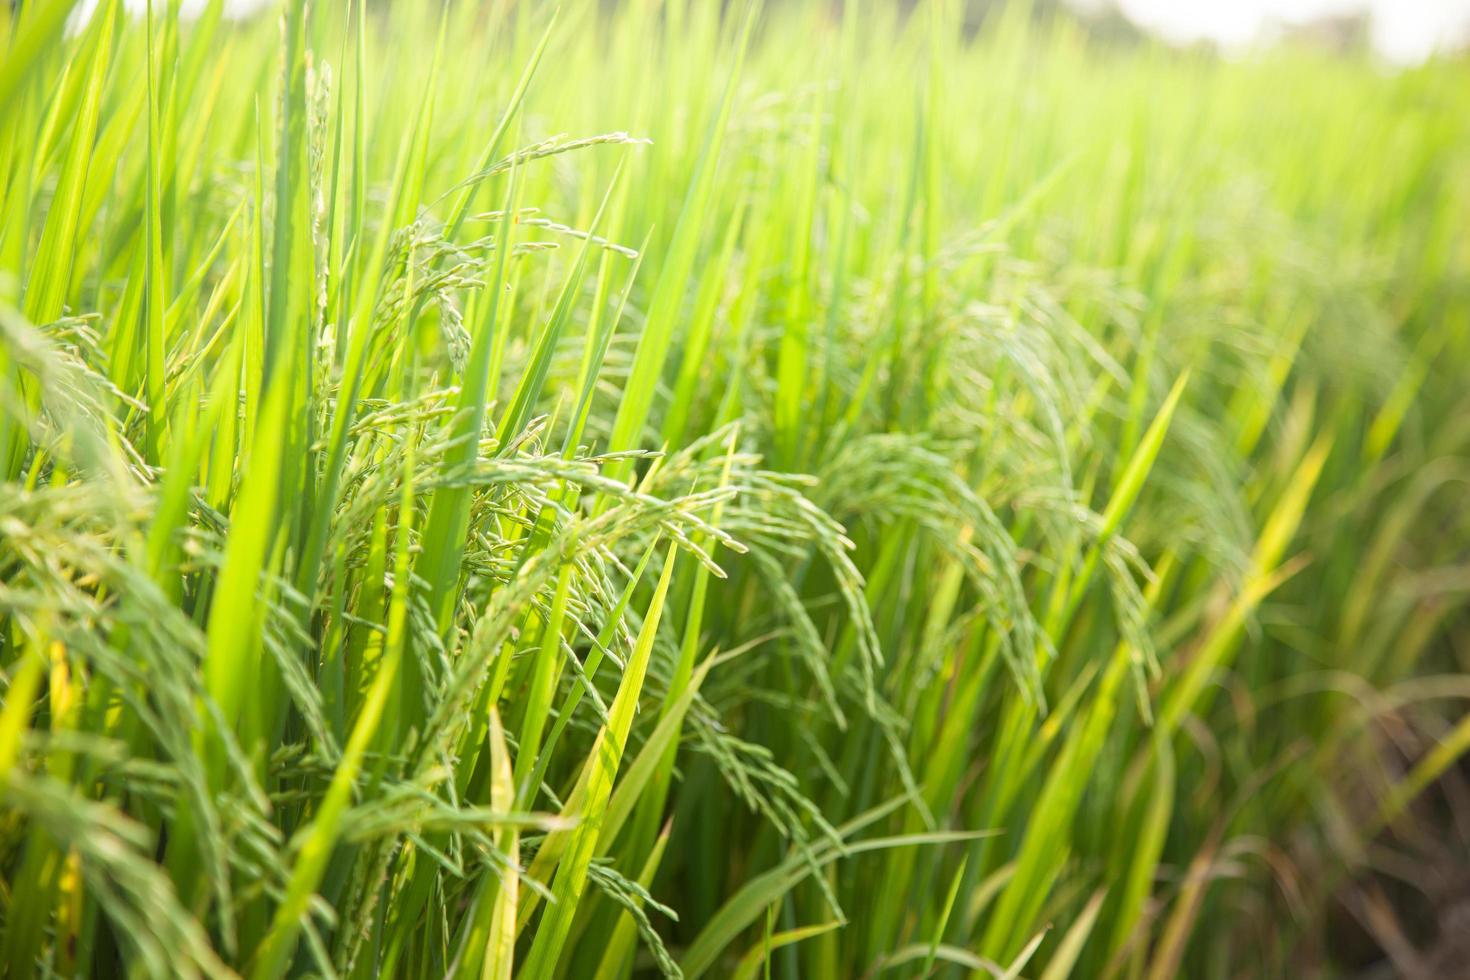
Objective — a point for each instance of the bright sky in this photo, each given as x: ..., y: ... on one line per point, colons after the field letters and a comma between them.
x: 1403, y: 30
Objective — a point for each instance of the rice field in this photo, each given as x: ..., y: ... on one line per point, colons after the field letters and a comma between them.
x: 670, y: 488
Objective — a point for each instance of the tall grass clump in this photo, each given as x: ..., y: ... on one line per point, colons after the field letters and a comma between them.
x: 688, y: 489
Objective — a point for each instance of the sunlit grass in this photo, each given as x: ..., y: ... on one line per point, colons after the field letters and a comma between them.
x: 656, y: 489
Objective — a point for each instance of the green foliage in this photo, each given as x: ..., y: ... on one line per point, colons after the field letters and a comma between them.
x: 878, y: 496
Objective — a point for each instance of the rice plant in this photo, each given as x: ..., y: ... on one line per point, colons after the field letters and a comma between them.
x: 685, y: 489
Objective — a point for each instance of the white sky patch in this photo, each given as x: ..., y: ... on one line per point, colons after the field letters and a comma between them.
x: 1403, y: 30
